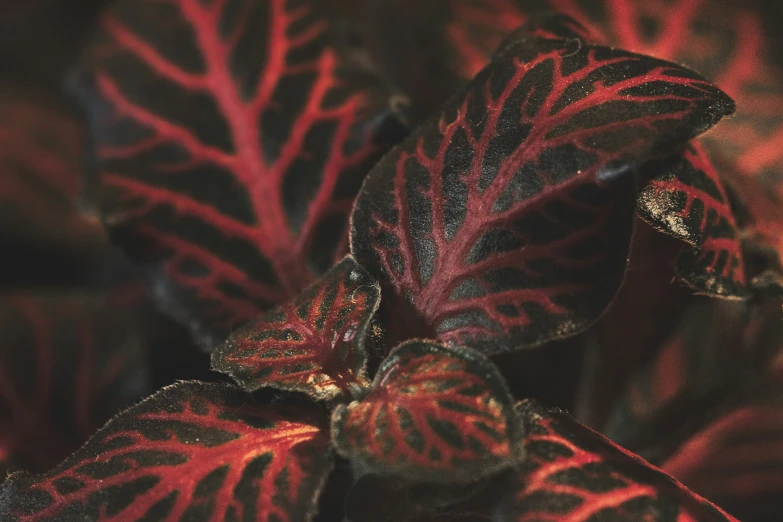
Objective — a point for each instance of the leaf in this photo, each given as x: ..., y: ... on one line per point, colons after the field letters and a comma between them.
x: 667, y: 399
x: 314, y: 344
x: 690, y: 369
x: 505, y: 223
x: 230, y: 139
x: 572, y: 474
x: 433, y: 414
x: 68, y: 362
x: 688, y: 201
x: 760, y: 219
x: 731, y: 44
x: 40, y: 186
x: 736, y: 458
x: 191, y: 451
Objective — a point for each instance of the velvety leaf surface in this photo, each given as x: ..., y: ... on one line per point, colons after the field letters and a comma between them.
x: 314, y: 344
x: 191, y: 451
x: 726, y: 41
x: 434, y: 413
x: 689, y: 201
x: 231, y: 138
x: 67, y: 364
x: 573, y: 474
x: 505, y: 222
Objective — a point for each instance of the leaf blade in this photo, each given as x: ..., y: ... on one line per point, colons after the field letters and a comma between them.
x: 230, y: 140
x: 506, y: 222
x: 192, y: 449
x: 314, y: 344
x: 572, y: 474
x: 434, y: 414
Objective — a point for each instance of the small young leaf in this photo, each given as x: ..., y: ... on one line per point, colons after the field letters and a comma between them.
x: 230, y: 140
x: 192, y: 451
x: 505, y: 223
x: 67, y: 364
x: 573, y: 474
x: 314, y: 344
x: 689, y: 202
x: 434, y: 414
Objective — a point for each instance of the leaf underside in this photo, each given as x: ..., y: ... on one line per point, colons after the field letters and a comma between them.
x: 191, y: 451
x: 572, y: 473
x: 505, y: 223
x: 314, y: 344
x: 67, y: 364
x: 230, y: 139
x: 434, y: 413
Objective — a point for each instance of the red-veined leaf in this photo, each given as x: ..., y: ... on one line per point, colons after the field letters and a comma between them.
x: 687, y: 373
x: 505, y: 223
x: 725, y: 42
x: 728, y: 43
x: 736, y: 459
x: 314, y: 344
x: 573, y: 474
x: 434, y: 414
x: 191, y: 451
x: 760, y: 218
x: 67, y: 364
x: 231, y: 138
x: 666, y: 400
x: 689, y: 201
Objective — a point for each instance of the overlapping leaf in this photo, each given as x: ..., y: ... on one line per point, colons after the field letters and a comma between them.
x: 505, y: 223
x: 725, y: 42
x: 736, y: 459
x: 729, y: 44
x: 689, y: 201
x: 760, y: 218
x: 191, y: 451
x: 707, y: 408
x: 67, y: 364
x: 691, y: 368
x: 573, y: 474
x: 433, y: 413
x: 230, y: 138
x: 313, y: 344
